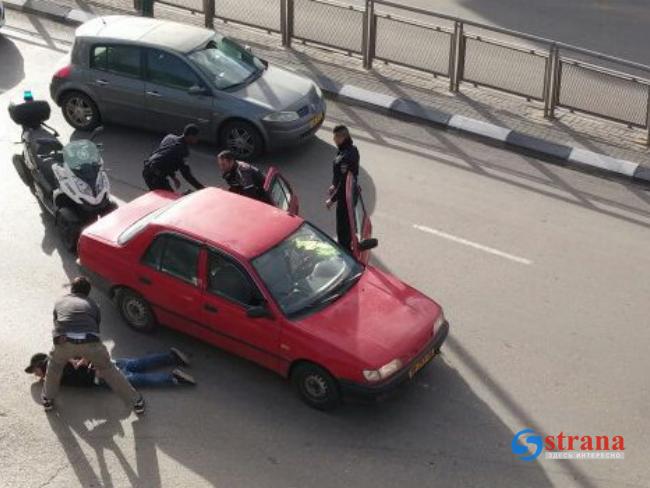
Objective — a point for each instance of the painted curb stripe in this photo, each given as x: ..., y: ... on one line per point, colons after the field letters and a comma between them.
x: 480, y: 128
x: 589, y: 158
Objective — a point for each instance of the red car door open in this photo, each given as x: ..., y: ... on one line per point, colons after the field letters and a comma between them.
x: 360, y: 225
x: 280, y: 192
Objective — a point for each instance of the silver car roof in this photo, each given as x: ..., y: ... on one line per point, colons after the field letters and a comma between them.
x: 154, y: 32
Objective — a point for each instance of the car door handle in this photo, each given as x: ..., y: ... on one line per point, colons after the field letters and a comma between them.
x: 101, y: 82
x: 210, y: 308
x: 144, y: 280
x: 153, y: 94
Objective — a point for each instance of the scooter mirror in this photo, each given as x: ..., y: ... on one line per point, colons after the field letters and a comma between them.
x: 96, y: 132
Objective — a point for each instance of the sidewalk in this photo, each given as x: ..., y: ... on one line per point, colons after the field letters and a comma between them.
x: 513, y: 121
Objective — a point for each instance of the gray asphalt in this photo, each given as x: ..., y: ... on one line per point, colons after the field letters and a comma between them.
x: 542, y: 271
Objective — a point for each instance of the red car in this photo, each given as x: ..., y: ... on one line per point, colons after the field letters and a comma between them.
x: 265, y: 284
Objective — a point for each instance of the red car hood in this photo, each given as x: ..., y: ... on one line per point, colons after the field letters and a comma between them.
x: 379, y: 319
x: 109, y: 228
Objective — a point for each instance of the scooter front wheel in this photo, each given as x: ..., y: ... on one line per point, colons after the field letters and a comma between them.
x: 69, y: 227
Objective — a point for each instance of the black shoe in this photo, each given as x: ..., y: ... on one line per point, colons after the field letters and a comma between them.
x: 182, y: 377
x: 138, y: 406
x: 180, y: 356
x: 48, y: 405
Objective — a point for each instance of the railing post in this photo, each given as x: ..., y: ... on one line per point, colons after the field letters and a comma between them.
x: 208, y: 11
x: 554, y: 80
x: 369, y: 34
x: 288, y: 23
x: 551, y: 82
x: 456, y: 57
x: 453, y: 47
x: 647, y: 119
x: 283, y: 21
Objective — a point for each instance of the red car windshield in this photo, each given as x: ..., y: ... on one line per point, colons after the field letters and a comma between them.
x: 306, y: 271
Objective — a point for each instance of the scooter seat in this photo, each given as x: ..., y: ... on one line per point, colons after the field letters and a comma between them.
x: 47, y: 145
x: 41, y: 141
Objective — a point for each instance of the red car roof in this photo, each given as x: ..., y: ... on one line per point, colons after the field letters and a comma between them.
x: 239, y: 224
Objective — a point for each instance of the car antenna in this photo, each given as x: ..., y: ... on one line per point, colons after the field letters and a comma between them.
x: 102, y: 19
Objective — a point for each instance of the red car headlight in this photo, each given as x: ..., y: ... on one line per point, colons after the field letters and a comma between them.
x: 388, y: 369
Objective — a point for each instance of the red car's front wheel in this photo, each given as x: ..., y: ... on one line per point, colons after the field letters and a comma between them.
x: 316, y: 387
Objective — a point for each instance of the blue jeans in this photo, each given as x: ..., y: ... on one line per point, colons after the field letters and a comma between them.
x: 135, y: 369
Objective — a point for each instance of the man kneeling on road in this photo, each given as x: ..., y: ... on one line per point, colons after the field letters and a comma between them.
x: 80, y: 372
x: 76, y: 335
x: 242, y: 178
x: 169, y: 158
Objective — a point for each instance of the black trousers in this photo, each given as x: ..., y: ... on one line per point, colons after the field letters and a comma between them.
x: 343, y: 233
x: 154, y: 181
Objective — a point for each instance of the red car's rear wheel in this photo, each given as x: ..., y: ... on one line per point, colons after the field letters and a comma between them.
x: 135, y: 310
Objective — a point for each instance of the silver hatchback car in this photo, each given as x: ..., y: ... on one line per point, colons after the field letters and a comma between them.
x: 162, y: 75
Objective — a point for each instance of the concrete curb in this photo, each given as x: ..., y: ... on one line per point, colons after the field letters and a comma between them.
x: 405, y: 107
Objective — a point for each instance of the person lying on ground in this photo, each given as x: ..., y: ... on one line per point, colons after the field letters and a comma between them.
x: 79, y: 372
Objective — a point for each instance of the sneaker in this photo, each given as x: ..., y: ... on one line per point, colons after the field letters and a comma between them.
x: 138, y: 406
x: 180, y: 356
x: 182, y: 377
x: 48, y: 404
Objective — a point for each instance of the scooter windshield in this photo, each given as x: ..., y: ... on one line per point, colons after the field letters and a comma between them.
x: 83, y: 158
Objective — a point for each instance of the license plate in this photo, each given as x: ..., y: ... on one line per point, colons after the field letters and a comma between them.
x: 316, y: 119
x: 420, y: 363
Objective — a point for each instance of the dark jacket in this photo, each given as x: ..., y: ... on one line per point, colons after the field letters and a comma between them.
x: 247, y: 180
x: 75, y: 313
x: 71, y: 376
x: 169, y: 158
x: 346, y: 161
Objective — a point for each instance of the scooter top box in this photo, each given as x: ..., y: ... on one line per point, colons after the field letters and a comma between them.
x: 30, y: 114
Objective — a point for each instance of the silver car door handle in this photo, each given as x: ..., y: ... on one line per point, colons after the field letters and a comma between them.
x: 153, y: 94
x: 101, y: 82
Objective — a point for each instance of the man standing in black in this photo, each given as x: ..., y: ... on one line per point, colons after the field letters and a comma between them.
x: 346, y: 162
x: 169, y: 158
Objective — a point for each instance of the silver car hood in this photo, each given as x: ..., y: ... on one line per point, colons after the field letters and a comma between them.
x: 277, y: 89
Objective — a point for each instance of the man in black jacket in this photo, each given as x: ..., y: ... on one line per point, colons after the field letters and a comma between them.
x: 346, y: 162
x: 242, y: 178
x: 169, y: 158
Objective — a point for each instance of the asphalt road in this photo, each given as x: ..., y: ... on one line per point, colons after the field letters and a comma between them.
x: 542, y: 272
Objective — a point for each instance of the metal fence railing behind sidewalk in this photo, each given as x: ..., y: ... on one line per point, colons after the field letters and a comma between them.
x: 557, y: 74
x: 328, y: 23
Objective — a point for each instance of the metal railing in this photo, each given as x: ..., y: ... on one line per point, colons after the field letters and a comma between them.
x: 465, y: 52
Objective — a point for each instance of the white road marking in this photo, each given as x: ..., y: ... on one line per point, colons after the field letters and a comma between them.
x: 475, y: 245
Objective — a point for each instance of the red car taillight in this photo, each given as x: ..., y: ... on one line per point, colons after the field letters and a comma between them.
x: 63, y: 72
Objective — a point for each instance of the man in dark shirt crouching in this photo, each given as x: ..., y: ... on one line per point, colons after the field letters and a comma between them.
x: 169, y: 159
